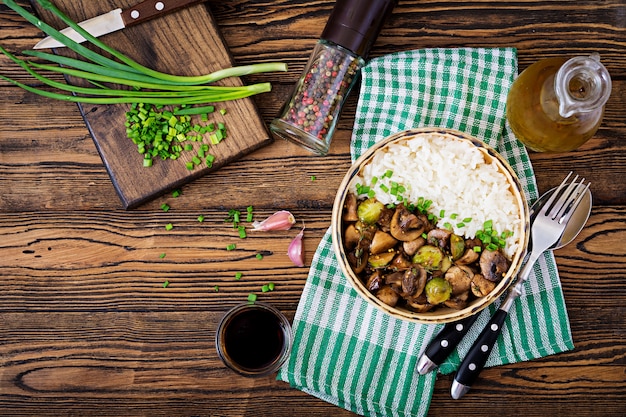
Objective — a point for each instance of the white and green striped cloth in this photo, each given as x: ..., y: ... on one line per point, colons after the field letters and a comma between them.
x: 353, y: 355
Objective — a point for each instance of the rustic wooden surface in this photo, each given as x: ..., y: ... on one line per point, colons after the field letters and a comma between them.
x: 88, y: 329
x: 155, y: 43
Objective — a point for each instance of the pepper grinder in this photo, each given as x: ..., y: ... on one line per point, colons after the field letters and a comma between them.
x: 310, y: 116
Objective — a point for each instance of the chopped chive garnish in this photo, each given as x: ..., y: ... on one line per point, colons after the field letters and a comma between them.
x: 201, y: 218
x: 231, y: 246
x: 176, y: 193
x: 169, y: 226
x: 222, y: 111
x: 251, y: 298
x: 216, y: 288
x: 249, y: 215
x: 467, y: 220
x: 165, y: 207
x: 166, y: 284
x: 442, y: 213
x: 459, y: 225
x: 477, y: 249
x: 259, y: 256
x: 271, y: 286
x: 242, y: 232
x: 238, y: 275
x: 162, y: 255
x: 313, y: 177
x: 265, y: 288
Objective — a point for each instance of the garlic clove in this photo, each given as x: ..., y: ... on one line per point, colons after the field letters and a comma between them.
x: 295, y: 250
x: 281, y: 220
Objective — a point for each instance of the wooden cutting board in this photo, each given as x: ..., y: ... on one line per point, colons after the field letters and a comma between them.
x: 185, y: 42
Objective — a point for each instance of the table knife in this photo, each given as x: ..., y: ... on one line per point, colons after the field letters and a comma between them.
x: 118, y: 19
x: 444, y: 343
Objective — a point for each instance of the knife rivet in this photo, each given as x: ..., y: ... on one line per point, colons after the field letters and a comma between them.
x: 484, y: 348
x: 134, y: 14
x: 444, y: 343
x: 159, y: 5
x: 494, y: 327
x: 472, y: 366
x: 459, y: 327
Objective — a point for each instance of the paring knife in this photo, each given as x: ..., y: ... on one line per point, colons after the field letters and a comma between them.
x: 119, y: 19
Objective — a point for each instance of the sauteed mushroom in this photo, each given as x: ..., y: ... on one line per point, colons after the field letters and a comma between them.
x: 404, y: 259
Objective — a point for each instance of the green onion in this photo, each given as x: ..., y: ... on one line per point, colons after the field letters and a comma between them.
x: 265, y: 288
x: 249, y: 216
x: 238, y: 275
x: 165, y: 207
x: 166, y: 284
x: 271, y: 286
x: 201, y: 218
x: 251, y: 298
x: 176, y: 193
x: 242, y: 232
x: 162, y: 255
x: 122, y: 70
x: 169, y: 226
x: 231, y: 246
x: 216, y: 288
x: 259, y: 256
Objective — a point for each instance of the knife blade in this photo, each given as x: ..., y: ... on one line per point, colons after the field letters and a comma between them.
x: 118, y: 19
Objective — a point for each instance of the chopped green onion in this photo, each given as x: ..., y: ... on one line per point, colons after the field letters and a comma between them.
x: 166, y: 284
x: 259, y: 256
x: 313, y: 178
x: 251, y: 298
x: 201, y: 218
x: 162, y: 255
x: 231, y: 246
x: 238, y: 275
x: 271, y: 286
x: 242, y: 232
x: 169, y: 226
x: 165, y: 207
x: 216, y: 288
x: 249, y: 216
x: 176, y: 193
x: 265, y: 288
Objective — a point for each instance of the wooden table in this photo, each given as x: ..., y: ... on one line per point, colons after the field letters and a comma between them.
x: 87, y: 326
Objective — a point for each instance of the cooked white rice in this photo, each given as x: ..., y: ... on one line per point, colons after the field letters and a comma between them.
x: 455, y: 176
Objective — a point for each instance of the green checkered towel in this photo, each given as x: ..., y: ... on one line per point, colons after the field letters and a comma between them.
x: 351, y: 354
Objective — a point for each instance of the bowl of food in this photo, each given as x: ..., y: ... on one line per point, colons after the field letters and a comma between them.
x: 430, y: 225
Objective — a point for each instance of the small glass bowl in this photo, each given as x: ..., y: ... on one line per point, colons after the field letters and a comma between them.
x: 254, y: 339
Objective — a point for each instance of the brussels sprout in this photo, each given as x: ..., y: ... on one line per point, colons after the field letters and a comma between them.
x: 369, y: 210
x: 429, y: 257
x: 381, y: 260
x: 438, y: 290
x: 457, y: 246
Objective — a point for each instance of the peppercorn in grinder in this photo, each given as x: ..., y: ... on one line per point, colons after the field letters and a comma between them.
x: 310, y: 116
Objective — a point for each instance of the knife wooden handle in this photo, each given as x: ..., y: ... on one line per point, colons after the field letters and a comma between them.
x: 149, y: 9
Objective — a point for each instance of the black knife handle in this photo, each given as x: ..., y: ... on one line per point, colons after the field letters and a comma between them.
x: 447, y: 339
x: 477, y: 356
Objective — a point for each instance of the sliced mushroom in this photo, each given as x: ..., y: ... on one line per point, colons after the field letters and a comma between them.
x: 419, y: 304
x: 481, y: 286
x: 351, y: 237
x: 439, y: 237
x: 460, y: 277
x: 411, y: 246
x: 405, y: 226
x: 458, y: 302
x: 357, y: 259
x: 374, y: 281
x: 384, y: 221
x: 394, y: 279
x: 382, y: 242
x: 400, y: 262
x: 414, y: 281
x: 388, y: 296
x: 349, y: 208
x: 493, y: 265
x: 469, y: 257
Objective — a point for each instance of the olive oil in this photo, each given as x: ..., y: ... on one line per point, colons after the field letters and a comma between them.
x: 556, y: 105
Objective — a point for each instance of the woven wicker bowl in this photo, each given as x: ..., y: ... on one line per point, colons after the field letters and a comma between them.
x: 440, y: 314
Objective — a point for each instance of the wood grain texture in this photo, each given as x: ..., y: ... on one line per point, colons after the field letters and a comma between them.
x: 87, y: 327
x: 155, y: 44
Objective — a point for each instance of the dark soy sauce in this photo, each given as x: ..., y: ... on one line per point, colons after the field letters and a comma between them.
x: 254, y: 338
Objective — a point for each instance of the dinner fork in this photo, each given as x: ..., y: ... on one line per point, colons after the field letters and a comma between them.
x: 545, y: 231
